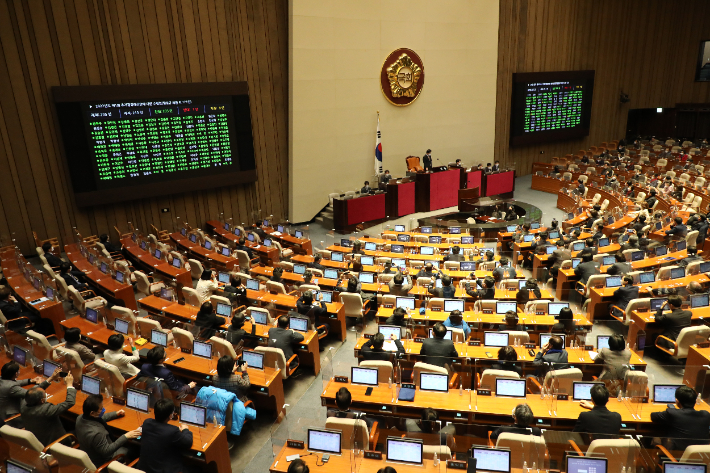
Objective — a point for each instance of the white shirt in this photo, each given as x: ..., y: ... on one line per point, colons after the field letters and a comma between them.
x: 122, y: 361
x: 205, y: 288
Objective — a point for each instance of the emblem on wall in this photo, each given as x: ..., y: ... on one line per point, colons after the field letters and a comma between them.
x: 402, y: 77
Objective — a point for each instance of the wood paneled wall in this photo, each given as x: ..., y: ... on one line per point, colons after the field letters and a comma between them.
x: 45, y: 43
x: 646, y: 48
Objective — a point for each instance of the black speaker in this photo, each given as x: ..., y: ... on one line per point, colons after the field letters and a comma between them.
x: 471, y: 466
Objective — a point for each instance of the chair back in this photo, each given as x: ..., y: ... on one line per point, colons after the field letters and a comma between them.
x: 76, y: 298
x: 420, y: 367
x: 413, y: 164
x: 21, y: 437
x: 223, y: 347
x: 487, y: 265
x: 244, y: 262
x: 214, y: 299
x: 457, y: 334
x: 443, y: 452
x: 114, y: 377
x: 530, y: 448
x: 354, y: 432
x: 389, y: 299
x: 690, y: 336
x: 453, y: 265
x: 636, y: 383
x: 275, y: 287
x: 48, y: 269
x: 142, y: 282
x: 665, y: 272
x: 196, y: 268
x: 561, y: 380
x: 692, y: 238
x: 183, y: 338
x: 118, y: 467
x: 696, y: 454
x: 352, y: 304
x: 618, y: 452
x: 489, y: 376
x: 274, y: 358
x: 41, y: 349
x: 191, y: 296
x: 523, y: 337
x: 71, y: 361
x: 384, y: 369
x: 385, y: 278
x: 269, y: 319
x: 125, y: 314
x: 67, y: 456
x: 486, y: 304
x: 436, y: 303
x: 145, y: 325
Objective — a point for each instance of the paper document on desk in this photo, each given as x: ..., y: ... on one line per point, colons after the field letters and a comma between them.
x: 592, y: 354
x: 276, y: 233
x: 389, y: 346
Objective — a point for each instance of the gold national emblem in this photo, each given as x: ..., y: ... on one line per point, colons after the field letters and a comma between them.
x: 402, y: 77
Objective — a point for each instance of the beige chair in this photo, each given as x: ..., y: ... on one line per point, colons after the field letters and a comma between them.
x: 67, y: 456
x: 48, y: 269
x: 196, y: 268
x: 385, y: 278
x: 244, y: 262
x: 70, y: 360
x: 183, y: 338
x: 21, y: 437
x: 285, y: 265
x: 424, y: 281
x: 276, y: 287
x: 145, y: 325
x: 489, y: 376
x: 222, y: 347
x: 124, y: 314
x: 693, y: 268
x: 692, y: 238
x: 643, y: 304
x: 214, y: 299
x: 688, y: 336
x: 696, y: 454
x: 443, y: 452
x: 618, y: 452
x: 81, y: 304
x: 388, y: 299
x: 352, y: 304
x: 269, y: 319
x: 118, y: 467
x: 527, y: 448
x: 384, y: 369
x: 509, y: 284
x: 284, y: 253
x: 144, y: 286
x: 487, y: 265
x: 274, y: 358
x: 355, y: 433
x: 538, y: 306
x: 436, y: 303
x: 664, y: 273
x: 522, y: 337
x: 191, y: 296
x: 41, y: 349
x: 113, y: 377
x: 452, y: 265
x: 561, y: 380
x: 485, y: 305
x: 421, y: 367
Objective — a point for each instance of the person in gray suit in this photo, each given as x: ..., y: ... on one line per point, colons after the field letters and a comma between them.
x: 674, y: 322
x: 285, y: 339
x: 399, y: 286
x: 586, y: 268
x: 552, y: 354
x: 437, y: 351
x: 456, y: 254
x: 12, y: 392
x: 616, y: 363
x: 92, y: 431
x: 41, y: 417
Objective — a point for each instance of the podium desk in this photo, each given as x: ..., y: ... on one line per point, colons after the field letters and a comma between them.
x: 498, y: 183
x: 437, y: 190
x: 399, y: 200
x: 203, y: 254
x: 106, y: 285
x: 147, y: 262
x: 347, y: 213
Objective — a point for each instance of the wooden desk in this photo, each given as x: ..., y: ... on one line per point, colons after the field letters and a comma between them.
x: 293, y: 278
x: 696, y: 370
x: 646, y: 321
x: 104, y: 283
x: 147, y: 262
x: 299, y: 245
x: 267, y: 255
x: 304, y: 259
x: 210, y: 257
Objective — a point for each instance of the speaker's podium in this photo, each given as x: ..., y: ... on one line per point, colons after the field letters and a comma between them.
x: 348, y: 213
x: 437, y: 190
x: 400, y: 198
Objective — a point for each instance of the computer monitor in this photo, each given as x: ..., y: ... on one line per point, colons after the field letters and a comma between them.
x: 451, y: 305
x: 158, y: 254
x: 366, y: 278
x: 581, y: 390
x: 226, y: 226
x: 511, y: 228
x: 366, y: 376
x: 610, y: 221
x: 237, y: 231
x: 528, y: 238
x: 603, y: 242
x: 267, y: 242
x: 435, y: 239
x: 492, y: 459
x: 510, y: 387
x: 579, y: 246
x: 192, y: 414
x: 299, y: 269
x: 661, y: 250
x: 467, y: 240
x: 137, y: 400
x: 13, y: 466
x: 367, y: 260
x: 503, y: 307
x: 677, y: 273
x: 625, y: 237
x: 570, y: 215
x: 143, y: 247
x: 522, y: 283
x: 554, y: 308
x: 602, y: 342
x: 397, y: 248
x: 448, y: 335
x: 659, y: 225
x: 121, y: 326
x: 613, y: 281
x: 638, y: 255
x: 405, y: 450
x: 259, y: 317
x: 49, y: 367
x: 390, y: 331
x: 705, y: 267
x: 370, y: 246
x: 607, y: 260
x: 92, y: 315
x: 193, y: 238
x: 280, y: 228
x: 298, y: 234
x: 253, y: 359
x: 19, y: 355
x: 404, y: 238
x: 426, y: 250
x: 647, y: 277
x: 657, y: 302
x: 545, y: 338
x: 665, y: 393
x: 554, y: 235
x: 434, y: 382
x: 534, y: 225
x: 300, y: 324
x: 330, y: 273
x: 680, y: 467
x: 336, y: 256
x: 455, y: 230
x: 699, y: 300
x: 176, y: 262
x: 252, y: 284
x: 550, y: 249
x: 158, y: 337
x: 265, y: 223
x: 575, y: 262
x: 399, y: 228
x: 165, y: 293
x: 103, y: 268
x: 681, y: 245
x: 250, y: 237
x: 496, y: 339
x: 586, y: 465
x: 223, y: 277
x: 425, y: 229
x: 202, y: 349
x: 49, y: 292
x: 326, y: 296
x: 404, y: 302
x: 327, y: 441
x: 90, y: 385
x: 225, y: 310
x: 467, y: 266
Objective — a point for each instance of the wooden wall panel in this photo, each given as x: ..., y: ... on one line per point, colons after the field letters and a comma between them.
x: 46, y: 43
x: 647, y: 48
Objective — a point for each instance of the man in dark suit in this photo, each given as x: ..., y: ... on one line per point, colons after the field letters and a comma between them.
x: 399, y: 286
x: 589, y: 248
x: 619, y: 268
x: 343, y: 399
x: 72, y: 277
x: 426, y: 161
x: 523, y: 418
x: 581, y: 189
x: 562, y: 253
x: 41, y: 417
x: 427, y: 271
x: 677, y: 229
x: 372, y: 349
x: 496, y: 167
x: 586, y: 268
x: 504, y: 271
x: 366, y: 188
x: 447, y: 290
x: 598, y: 232
x: 242, y: 246
x: 651, y: 199
x: 162, y: 443
x: 53, y: 261
x: 599, y: 420
x: 314, y: 312
x: 488, y: 169
x: 674, y: 322
x: 285, y: 339
x: 552, y: 354
x: 625, y: 294
x: 488, y: 290
x: 385, y: 178
x: 692, y: 256
x: 456, y: 254
x: 11, y: 389
x: 437, y: 351
x: 683, y: 424
x: 258, y: 230
x: 12, y: 309
x: 110, y: 247
x: 155, y: 368
x: 207, y: 321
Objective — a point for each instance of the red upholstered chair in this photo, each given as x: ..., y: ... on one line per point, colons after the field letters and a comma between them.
x: 413, y: 164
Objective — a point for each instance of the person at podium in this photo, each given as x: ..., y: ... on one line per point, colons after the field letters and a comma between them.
x: 385, y: 178
x: 366, y: 189
x: 496, y: 167
x: 510, y: 214
x: 426, y: 160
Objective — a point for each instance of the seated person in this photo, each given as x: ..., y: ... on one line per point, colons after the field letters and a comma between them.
x: 487, y: 256
x: 683, y: 424
x: 429, y: 423
x: 692, y: 256
x: 235, y: 332
x: 510, y: 214
x: 206, y: 285
x: 373, y: 349
x: 235, y: 291
x: 71, y: 277
x: 284, y: 338
x: 317, y: 258
x: 207, y: 321
x: 616, y: 363
x: 399, y: 286
x: 455, y: 320
x: 677, y: 228
x: 155, y: 368
x: 523, y: 295
x: 447, y: 290
x: 53, y: 261
x: 110, y: 247
x: 427, y: 271
x: 385, y: 178
x: 522, y: 419
x: 586, y: 268
x: 93, y: 434
x: 241, y: 245
x: 590, y: 248
x: 519, y: 236
x: 72, y: 337
x: 621, y: 267
x: 565, y: 322
x: 507, y: 356
x: 438, y: 351
x: 504, y: 270
x: 276, y: 275
x: 12, y: 309
x: 488, y: 291
x: 397, y: 317
x: 300, y: 466
x: 11, y: 389
x: 315, y: 313
x: 227, y: 379
x: 540, y: 244
x: 115, y: 355
x: 162, y: 443
x: 625, y: 294
x: 41, y: 417
x: 366, y: 189
x: 456, y: 254
x: 511, y: 323
x: 343, y: 399
x: 674, y: 322
x: 552, y: 354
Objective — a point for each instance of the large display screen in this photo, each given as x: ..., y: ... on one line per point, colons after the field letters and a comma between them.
x: 550, y: 106
x: 137, y: 141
